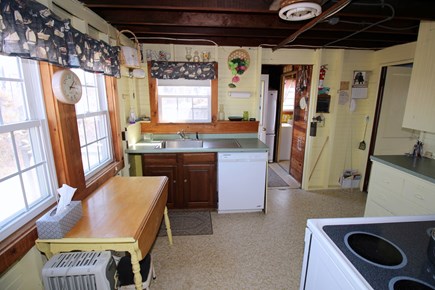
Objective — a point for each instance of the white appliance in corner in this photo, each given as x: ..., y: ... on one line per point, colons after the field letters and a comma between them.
x: 270, y: 121
x: 241, y: 181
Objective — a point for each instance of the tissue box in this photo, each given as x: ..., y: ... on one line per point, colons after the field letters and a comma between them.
x: 50, y: 226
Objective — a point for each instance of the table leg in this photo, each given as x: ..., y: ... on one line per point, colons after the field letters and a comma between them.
x: 168, y: 225
x: 136, y: 270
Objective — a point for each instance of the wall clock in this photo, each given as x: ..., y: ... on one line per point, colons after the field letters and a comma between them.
x: 66, y: 86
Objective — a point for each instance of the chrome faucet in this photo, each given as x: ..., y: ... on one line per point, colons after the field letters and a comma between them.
x: 182, y: 134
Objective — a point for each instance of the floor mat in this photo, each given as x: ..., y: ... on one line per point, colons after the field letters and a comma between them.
x: 274, y: 180
x: 188, y: 223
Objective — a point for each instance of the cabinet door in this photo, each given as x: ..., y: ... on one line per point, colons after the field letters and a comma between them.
x: 163, y: 165
x: 421, y: 97
x: 199, y: 185
x: 171, y: 173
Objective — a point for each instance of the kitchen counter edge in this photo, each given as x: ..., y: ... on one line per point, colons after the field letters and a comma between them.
x: 246, y: 145
x: 423, y: 168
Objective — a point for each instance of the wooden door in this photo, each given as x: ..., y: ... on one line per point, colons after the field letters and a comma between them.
x: 199, y: 185
x: 198, y: 178
x: 300, y: 120
x: 164, y: 165
x: 392, y: 138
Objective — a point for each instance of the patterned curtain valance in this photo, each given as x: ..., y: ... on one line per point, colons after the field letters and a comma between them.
x: 186, y: 70
x: 29, y: 29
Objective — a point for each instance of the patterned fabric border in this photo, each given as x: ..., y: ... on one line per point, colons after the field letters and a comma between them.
x: 186, y: 70
x: 28, y: 29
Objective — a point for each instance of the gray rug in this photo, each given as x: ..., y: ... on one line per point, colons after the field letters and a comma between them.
x: 188, y: 223
x: 274, y: 180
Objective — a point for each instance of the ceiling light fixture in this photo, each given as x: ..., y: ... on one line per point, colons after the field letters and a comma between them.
x: 294, y: 10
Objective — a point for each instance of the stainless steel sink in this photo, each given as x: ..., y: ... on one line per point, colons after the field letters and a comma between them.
x: 221, y: 143
x: 182, y: 143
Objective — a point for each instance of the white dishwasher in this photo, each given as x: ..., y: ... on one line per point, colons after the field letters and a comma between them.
x: 241, y: 181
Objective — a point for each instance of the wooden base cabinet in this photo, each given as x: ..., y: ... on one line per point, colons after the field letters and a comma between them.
x: 192, y: 178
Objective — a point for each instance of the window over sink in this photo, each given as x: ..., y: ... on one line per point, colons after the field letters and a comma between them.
x: 184, y: 101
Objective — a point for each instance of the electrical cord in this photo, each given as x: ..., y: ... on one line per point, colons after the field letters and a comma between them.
x: 177, y: 39
x: 393, y: 13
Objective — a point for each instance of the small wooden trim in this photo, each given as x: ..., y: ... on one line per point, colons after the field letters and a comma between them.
x: 217, y: 127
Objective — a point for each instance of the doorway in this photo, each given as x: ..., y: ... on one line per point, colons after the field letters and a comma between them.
x: 388, y: 135
x: 290, y: 145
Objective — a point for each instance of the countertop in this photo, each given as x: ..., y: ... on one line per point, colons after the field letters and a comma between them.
x: 246, y: 145
x: 419, y: 167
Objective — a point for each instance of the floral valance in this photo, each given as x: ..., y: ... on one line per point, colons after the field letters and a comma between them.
x: 29, y: 29
x: 186, y: 70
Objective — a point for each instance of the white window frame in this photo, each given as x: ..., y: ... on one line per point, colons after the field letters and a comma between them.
x: 103, y: 111
x: 184, y: 83
x: 37, y: 122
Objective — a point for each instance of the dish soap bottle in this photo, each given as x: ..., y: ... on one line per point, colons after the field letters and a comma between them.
x: 221, y: 116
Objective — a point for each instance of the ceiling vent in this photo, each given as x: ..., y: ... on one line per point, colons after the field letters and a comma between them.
x: 297, y: 10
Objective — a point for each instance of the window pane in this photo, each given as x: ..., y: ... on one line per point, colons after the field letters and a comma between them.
x: 91, y: 134
x: 90, y: 79
x: 101, y: 125
x: 82, y: 105
x: 12, y: 198
x: 34, y: 185
x: 93, y: 155
x: 85, y: 159
x: 81, y: 132
x: 184, y: 101
x: 10, y: 67
x: 26, y: 146
x: 13, y: 108
x: 93, y: 104
x: 103, y: 148
x: 7, y: 156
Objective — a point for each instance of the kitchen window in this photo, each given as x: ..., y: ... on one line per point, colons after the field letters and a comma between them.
x: 93, y: 123
x: 27, y: 174
x: 184, y: 101
x: 289, y: 86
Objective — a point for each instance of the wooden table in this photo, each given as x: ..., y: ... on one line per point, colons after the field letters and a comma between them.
x: 124, y: 214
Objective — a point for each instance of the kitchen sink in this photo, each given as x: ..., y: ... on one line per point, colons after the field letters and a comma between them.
x: 375, y: 249
x: 221, y: 143
x: 182, y: 143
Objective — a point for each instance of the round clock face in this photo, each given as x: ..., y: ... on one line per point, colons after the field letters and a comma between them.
x: 67, y: 86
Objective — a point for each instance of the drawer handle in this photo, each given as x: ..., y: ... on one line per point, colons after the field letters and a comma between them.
x: 185, y: 180
x: 175, y: 181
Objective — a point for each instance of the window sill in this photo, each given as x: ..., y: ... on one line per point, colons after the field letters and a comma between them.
x: 216, y: 127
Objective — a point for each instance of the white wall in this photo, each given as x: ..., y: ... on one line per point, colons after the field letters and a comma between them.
x: 25, y: 274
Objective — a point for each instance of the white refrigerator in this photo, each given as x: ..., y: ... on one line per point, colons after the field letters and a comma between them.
x: 270, y: 121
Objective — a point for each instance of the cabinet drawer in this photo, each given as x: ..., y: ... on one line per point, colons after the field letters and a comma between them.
x: 387, y: 178
x: 195, y: 158
x: 420, y: 193
x: 373, y: 210
x: 385, y: 198
x: 159, y: 159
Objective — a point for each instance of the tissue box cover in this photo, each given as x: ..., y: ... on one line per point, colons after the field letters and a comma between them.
x: 50, y: 226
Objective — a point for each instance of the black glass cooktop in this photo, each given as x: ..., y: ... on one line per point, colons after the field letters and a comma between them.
x: 387, y: 255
